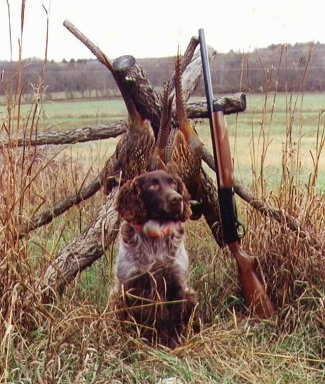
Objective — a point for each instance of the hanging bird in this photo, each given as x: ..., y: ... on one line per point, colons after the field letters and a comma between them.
x: 136, y: 146
x: 186, y: 152
x: 158, y: 160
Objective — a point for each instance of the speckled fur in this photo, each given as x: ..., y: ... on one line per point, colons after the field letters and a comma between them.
x: 152, y: 272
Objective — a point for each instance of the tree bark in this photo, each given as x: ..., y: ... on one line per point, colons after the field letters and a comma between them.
x: 228, y: 104
x: 80, y: 135
x: 146, y: 100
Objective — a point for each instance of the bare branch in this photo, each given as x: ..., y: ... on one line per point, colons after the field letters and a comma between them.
x: 102, y: 58
x: 60, y: 207
x: 119, y: 77
x: 90, y: 133
x: 228, y: 104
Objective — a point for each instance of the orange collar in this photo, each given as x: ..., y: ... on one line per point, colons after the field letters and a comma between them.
x: 152, y: 230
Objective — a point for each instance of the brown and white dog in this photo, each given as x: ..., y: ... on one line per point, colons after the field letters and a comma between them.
x: 152, y: 263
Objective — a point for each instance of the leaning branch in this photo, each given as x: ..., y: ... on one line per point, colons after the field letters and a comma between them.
x: 102, y: 58
x: 90, y: 133
x: 192, y: 74
x: 60, y: 207
x: 260, y: 205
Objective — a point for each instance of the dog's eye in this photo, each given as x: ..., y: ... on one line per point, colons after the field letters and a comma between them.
x: 154, y: 186
x: 173, y: 185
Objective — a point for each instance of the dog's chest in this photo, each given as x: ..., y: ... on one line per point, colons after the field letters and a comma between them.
x: 146, y: 250
x: 157, y: 249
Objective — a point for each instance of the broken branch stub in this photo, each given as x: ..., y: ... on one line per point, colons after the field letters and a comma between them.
x: 136, y: 84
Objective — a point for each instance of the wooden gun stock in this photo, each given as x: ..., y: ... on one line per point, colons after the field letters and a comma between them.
x: 253, y: 290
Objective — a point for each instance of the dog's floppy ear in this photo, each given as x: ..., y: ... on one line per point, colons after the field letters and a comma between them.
x: 182, y: 190
x: 129, y: 203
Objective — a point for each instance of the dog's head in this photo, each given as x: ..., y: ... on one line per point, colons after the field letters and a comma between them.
x: 155, y: 195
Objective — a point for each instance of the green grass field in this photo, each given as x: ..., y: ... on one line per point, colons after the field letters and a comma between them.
x: 261, y: 131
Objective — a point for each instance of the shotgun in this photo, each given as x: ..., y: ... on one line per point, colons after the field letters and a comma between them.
x: 255, y: 296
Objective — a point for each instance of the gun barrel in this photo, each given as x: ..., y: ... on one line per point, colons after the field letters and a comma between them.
x: 209, y: 96
x: 221, y: 152
x: 206, y: 72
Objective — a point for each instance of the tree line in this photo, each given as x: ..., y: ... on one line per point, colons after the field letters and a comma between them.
x: 277, y: 67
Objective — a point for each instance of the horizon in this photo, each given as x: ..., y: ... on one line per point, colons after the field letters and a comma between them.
x: 93, y: 58
x: 157, y: 32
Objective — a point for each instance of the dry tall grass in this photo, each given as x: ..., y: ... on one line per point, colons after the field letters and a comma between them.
x: 77, y: 339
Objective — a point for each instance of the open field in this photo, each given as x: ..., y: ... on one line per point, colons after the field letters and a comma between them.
x: 77, y: 339
x: 261, y: 131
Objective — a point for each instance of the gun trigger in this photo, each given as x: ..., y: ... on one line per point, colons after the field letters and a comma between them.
x: 197, y: 209
x: 241, y: 231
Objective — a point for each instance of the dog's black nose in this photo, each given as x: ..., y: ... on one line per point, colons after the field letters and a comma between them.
x: 176, y: 198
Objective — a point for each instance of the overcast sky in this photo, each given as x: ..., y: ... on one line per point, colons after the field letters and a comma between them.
x: 145, y: 28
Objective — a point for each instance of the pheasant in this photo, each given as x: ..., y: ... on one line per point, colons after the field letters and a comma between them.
x: 136, y: 146
x: 158, y: 160
x: 185, y: 155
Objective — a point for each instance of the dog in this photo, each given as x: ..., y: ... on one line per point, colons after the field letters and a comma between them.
x: 152, y: 262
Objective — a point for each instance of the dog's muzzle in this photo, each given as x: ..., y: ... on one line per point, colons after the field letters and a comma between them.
x: 174, y: 204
